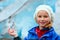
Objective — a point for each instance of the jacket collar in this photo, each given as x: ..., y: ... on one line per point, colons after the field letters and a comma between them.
x: 47, y: 34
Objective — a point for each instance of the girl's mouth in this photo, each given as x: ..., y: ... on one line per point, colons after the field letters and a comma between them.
x: 42, y: 22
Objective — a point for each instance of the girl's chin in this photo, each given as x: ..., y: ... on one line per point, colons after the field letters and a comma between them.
x: 42, y: 25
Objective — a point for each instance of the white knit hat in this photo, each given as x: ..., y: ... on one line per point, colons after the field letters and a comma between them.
x: 47, y: 8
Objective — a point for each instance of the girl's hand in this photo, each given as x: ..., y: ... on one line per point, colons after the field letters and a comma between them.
x: 12, y: 32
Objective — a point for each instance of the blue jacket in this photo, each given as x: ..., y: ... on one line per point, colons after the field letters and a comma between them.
x: 50, y: 35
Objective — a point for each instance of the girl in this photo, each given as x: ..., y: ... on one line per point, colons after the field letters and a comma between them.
x: 44, y: 17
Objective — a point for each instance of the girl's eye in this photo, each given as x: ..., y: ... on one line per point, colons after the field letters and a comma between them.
x: 45, y: 16
x: 39, y: 16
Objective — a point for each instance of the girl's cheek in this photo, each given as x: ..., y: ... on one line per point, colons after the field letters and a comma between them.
x: 47, y: 19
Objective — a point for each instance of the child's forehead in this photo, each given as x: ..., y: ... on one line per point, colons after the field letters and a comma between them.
x: 42, y: 12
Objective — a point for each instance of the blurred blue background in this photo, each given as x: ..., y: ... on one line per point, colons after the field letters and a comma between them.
x: 24, y: 18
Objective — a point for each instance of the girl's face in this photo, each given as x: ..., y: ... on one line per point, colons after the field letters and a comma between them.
x: 42, y: 18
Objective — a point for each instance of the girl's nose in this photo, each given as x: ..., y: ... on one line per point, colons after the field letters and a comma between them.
x: 42, y: 18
